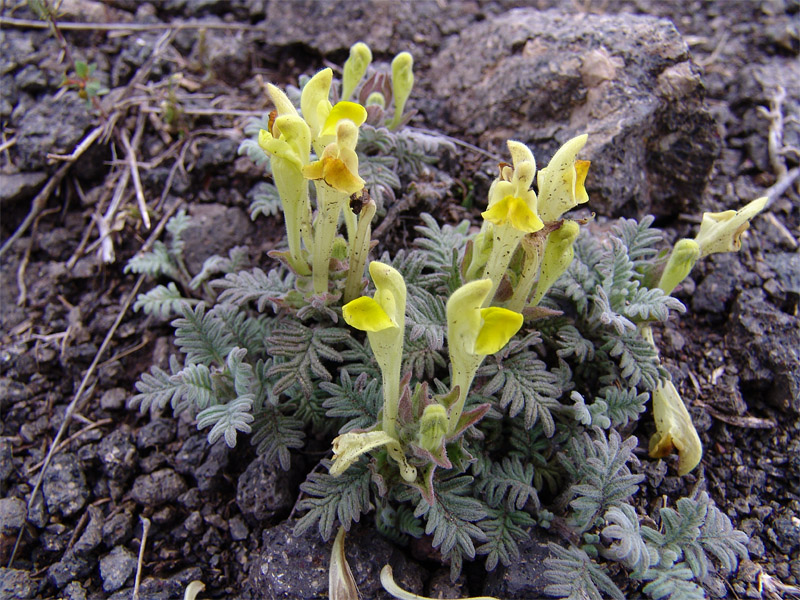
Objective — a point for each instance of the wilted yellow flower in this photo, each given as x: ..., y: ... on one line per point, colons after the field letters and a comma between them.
x: 722, y: 231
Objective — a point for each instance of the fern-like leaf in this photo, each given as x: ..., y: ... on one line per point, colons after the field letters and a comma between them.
x: 599, y: 469
x: 330, y: 499
x: 525, y: 382
x: 628, y: 547
x: 275, y: 433
x: 163, y: 301
x: 575, y: 576
x: 226, y: 420
x: 504, y: 530
x: 202, y: 337
x: 359, y: 400
x: 452, y: 520
x: 509, y: 480
x: 674, y: 583
x: 304, y: 348
x: 255, y: 285
x: 155, y: 263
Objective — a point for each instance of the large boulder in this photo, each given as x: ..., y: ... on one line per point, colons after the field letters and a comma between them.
x: 628, y: 81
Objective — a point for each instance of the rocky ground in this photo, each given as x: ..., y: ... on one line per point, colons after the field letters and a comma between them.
x: 690, y: 106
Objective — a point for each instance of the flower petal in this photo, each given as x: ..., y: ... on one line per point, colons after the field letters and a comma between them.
x: 336, y: 174
x: 349, y: 446
x: 514, y: 211
x: 367, y: 314
x: 499, y: 326
x: 722, y: 231
x: 343, y: 110
x: 674, y: 428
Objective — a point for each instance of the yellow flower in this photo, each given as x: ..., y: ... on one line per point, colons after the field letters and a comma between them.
x: 343, y: 110
x: 674, y: 428
x: 338, y: 165
x: 515, y: 212
x: 472, y: 333
x: 498, y: 325
x: 561, y: 183
x: 354, y: 68
x: 349, y: 446
x: 722, y: 231
x: 367, y: 314
x: 383, y: 318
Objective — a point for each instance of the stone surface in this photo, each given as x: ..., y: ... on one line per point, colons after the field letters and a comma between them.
x: 12, y: 515
x: 118, y: 455
x: 16, y: 583
x: 69, y: 568
x: 116, y: 567
x: 628, y: 81
x: 92, y: 536
x: 64, y: 486
x: 56, y: 124
x: 296, y: 567
x: 215, y: 229
x: 388, y: 28
x: 765, y: 341
x: 157, y: 488
x: 155, y: 433
x: 264, y: 491
x: 20, y: 186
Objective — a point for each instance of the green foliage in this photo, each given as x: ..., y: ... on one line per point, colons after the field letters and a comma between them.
x: 575, y: 576
x: 270, y: 359
x: 600, y: 475
x: 504, y: 529
x: 452, y: 521
x: 331, y: 499
x: 526, y: 384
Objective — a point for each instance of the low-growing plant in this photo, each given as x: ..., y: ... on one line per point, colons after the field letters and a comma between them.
x: 479, y: 383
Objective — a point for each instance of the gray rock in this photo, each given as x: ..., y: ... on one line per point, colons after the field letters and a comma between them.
x: 787, y: 270
x: 238, y: 528
x: 216, y: 153
x: 764, y: 340
x: 213, y: 468
x: 387, y: 27
x: 15, y: 49
x: 724, y: 275
x: 296, y: 567
x: 116, y: 567
x: 524, y: 578
x: 215, y: 229
x: 69, y: 568
x: 92, y: 536
x: 20, y: 186
x: 31, y: 79
x: 191, y: 454
x: 64, y: 486
x: 55, y: 124
x: 628, y: 81
x: 157, y: 488
x: 114, y: 399
x: 6, y: 463
x: 16, y: 583
x: 118, y: 455
x: 154, y: 589
x: 117, y: 529
x: 156, y: 433
x: 12, y: 515
x: 264, y: 491
x: 74, y: 591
